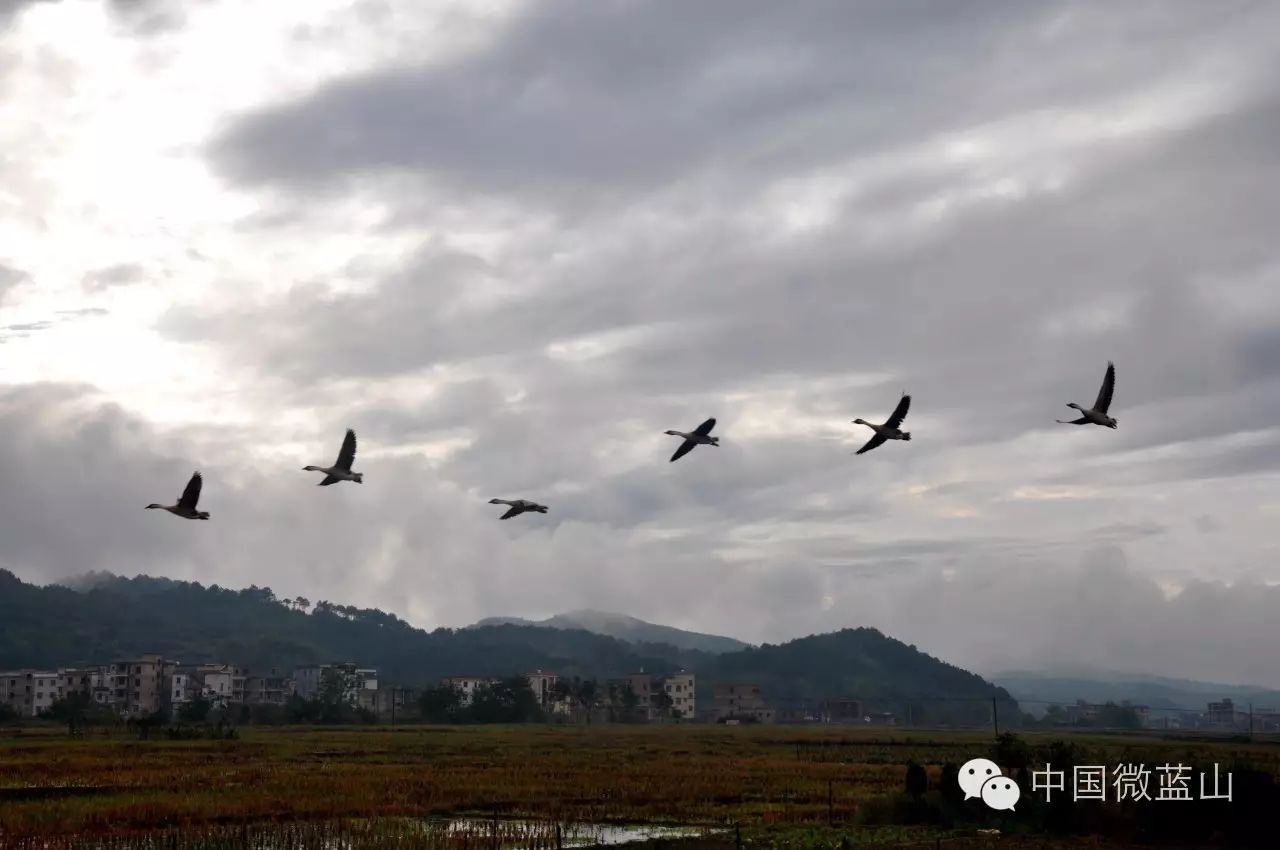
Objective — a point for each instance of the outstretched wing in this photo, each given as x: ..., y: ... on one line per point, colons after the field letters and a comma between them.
x: 705, y: 428
x: 329, y: 479
x: 347, y: 455
x: 1081, y: 421
x: 191, y: 494
x: 685, y: 448
x: 1108, y: 387
x: 871, y: 444
x: 899, y: 412
x: 514, y: 510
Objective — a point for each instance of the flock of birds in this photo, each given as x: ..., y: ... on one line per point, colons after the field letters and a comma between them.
x: 891, y: 429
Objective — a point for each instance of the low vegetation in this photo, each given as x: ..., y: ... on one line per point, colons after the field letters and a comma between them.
x: 762, y: 779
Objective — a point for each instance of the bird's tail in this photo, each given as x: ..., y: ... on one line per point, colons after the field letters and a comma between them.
x: 906, y: 435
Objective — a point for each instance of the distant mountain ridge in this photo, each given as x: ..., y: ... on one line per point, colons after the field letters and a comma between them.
x: 115, y: 618
x: 625, y: 628
x: 1064, y: 686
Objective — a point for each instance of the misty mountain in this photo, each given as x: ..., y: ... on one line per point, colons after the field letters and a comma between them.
x: 625, y: 628
x: 114, y: 617
x: 1036, y: 690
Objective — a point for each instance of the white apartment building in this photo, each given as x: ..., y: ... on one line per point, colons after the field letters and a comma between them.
x: 182, y: 687
x: 307, y: 681
x: 680, y: 688
x: 467, y: 685
x: 45, y: 692
x: 218, y: 684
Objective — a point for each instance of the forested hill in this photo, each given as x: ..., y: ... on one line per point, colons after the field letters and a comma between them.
x: 118, y: 617
x: 110, y: 617
x: 886, y: 673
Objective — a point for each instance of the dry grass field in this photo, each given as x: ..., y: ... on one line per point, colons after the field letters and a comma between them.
x: 761, y: 778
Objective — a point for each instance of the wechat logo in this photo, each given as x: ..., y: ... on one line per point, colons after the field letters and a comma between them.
x: 983, y: 778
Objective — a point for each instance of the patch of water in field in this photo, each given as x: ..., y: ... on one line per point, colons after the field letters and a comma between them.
x: 571, y: 834
x: 375, y: 834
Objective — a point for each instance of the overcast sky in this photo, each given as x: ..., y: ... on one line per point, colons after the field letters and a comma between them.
x: 511, y: 242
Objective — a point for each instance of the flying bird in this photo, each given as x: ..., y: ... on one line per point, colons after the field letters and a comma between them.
x: 890, y: 429
x: 341, y: 471
x: 519, y: 506
x: 699, y: 436
x: 186, y: 507
x: 1097, y: 415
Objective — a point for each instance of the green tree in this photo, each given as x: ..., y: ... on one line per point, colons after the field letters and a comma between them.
x: 441, y: 704
x: 1112, y: 716
x: 72, y: 709
x: 917, y: 780
x: 949, y: 783
x: 195, y: 711
x: 663, y: 703
x: 509, y: 700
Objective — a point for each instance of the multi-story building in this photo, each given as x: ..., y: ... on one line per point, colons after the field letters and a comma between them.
x: 45, y: 691
x: 140, y: 685
x: 271, y: 689
x: 389, y: 703
x: 1221, y: 714
x: 218, y: 683
x: 680, y: 688
x: 184, y: 686
x: 467, y: 685
x: 543, y: 686
x: 81, y: 679
x: 308, y: 681
x: 741, y: 700
x: 16, y: 691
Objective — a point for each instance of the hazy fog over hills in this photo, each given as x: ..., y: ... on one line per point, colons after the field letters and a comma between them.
x: 626, y: 628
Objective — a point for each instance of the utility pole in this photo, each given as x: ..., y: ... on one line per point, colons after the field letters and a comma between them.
x: 393, y: 705
x: 1251, y: 721
x: 995, y: 717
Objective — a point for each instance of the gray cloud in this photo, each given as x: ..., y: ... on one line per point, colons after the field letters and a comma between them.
x: 1101, y: 613
x: 9, y: 278
x: 119, y: 274
x: 781, y: 220
x: 141, y: 17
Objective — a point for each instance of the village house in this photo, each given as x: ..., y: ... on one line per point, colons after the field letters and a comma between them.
x: 220, y: 684
x: 543, y: 685
x: 680, y: 688
x: 308, y: 681
x: 467, y: 686
x: 647, y: 690
x: 741, y: 701
x: 17, y: 691
x: 271, y: 689
x: 138, y: 686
